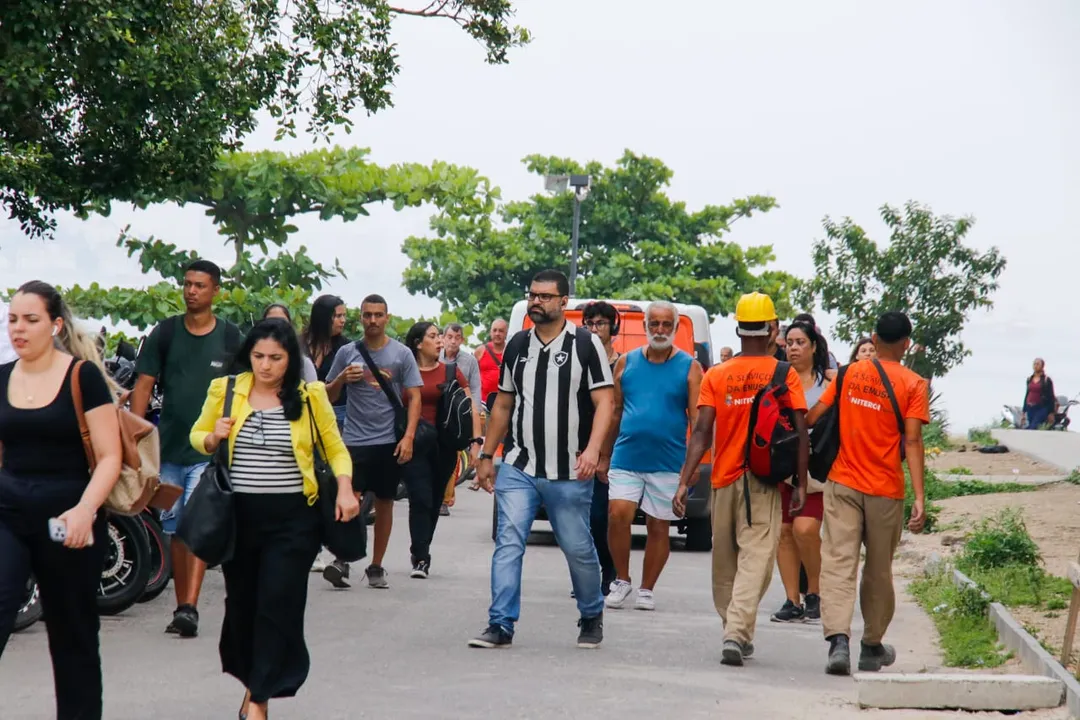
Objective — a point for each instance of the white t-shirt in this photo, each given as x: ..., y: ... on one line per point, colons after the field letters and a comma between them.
x: 7, y: 353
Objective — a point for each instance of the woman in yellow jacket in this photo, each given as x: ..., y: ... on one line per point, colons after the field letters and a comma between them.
x: 271, y: 461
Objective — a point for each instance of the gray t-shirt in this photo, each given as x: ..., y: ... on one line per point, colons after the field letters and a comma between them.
x: 369, y: 416
x: 470, y: 368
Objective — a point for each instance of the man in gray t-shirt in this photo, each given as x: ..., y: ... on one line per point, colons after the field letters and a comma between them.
x: 378, y: 454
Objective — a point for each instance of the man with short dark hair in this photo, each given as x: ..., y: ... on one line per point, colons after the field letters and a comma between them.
x: 882, y: 409
x: 379, y: 439
x: 183, y: 354
x: 453, y: 337
x: 556, y: 401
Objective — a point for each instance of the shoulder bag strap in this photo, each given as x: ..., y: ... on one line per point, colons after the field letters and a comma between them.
x: 451, y: 373
x: 892, y: 395
x: 223, y: 447
x: 492, y: 355
x: 316, y: 436
x: 780, y: 374
x: 84, y: 429
x: 377, y: 372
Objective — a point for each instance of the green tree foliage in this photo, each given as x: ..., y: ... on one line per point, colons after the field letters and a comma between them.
x: 251, y: 199
x: 129, y: 100
x: 925, y: 271
x: 635, y: 242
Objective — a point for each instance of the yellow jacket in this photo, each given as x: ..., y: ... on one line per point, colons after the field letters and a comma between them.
x: 302, y: 441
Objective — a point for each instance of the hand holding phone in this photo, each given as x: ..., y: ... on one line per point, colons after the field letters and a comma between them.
x: 57, y: 530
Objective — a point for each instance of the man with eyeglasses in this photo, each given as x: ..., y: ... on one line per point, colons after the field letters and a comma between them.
x: 556, y: 401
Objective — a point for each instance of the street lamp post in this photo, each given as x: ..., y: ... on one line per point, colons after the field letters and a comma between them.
x: 580, y: 183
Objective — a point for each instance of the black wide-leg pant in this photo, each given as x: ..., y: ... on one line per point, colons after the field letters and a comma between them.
x: 262, y: 635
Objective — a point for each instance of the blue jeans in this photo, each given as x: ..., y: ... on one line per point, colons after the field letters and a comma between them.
x: 339, y: 415
x: 1036, y: 417
x: 518, y: 497
x: 186, y: 477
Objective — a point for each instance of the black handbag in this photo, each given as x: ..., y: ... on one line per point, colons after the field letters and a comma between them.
x: 346, y: 540
x: 208, y: 525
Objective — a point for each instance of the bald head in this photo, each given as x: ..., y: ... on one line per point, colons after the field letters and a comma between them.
x: 498, y: 331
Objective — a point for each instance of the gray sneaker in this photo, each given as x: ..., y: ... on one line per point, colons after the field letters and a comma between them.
x: 376, y: 577
x: 731, y: 654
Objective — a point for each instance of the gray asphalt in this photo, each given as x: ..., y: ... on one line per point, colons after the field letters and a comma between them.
x: 401, y: 653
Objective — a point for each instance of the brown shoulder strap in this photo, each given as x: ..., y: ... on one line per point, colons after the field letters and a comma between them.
x: 84, y: 429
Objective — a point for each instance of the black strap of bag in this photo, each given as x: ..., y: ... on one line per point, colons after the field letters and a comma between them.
x: 491, y: 354
x: 401, y: 418
x: 223, y: 448
x: 895, y: 405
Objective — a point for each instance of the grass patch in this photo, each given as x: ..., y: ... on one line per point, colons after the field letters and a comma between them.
x: 959, y: 471
x: 967, y: 638
x: 937, y: 489
x: 981, y: 436
x: 1073, y: 478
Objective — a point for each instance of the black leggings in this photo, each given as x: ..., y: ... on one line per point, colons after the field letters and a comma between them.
x: 68, y: 582
x: 426, y: 477
x: 262, y: 636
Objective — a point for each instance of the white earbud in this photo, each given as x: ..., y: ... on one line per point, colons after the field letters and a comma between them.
x: 55, y: 331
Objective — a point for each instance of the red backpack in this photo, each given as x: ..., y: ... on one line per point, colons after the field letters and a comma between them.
x: 772, y: 442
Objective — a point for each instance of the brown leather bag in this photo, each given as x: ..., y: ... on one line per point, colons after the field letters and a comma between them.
x: 139, y: 485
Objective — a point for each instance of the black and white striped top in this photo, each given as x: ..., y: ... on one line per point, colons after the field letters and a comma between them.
x: 552, y: 416
x: 263, y: 460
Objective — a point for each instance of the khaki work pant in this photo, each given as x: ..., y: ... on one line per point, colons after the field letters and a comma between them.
x: 743, y: 555
x: 854, y: 519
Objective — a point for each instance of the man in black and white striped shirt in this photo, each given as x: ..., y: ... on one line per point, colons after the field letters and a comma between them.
x: 556, y: 400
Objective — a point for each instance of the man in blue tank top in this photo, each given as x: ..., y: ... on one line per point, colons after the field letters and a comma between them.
x: 656, y: 394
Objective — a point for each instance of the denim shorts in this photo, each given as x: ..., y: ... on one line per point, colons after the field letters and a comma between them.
x: 186, y: 477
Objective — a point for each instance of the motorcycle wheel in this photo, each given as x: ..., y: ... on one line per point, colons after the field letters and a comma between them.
x: 127, y: 565
x: 160, y: 558
x: 31, y: 610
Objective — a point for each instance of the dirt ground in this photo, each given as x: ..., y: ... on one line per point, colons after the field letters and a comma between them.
x: 1052, y: 516
x: 983, y: 464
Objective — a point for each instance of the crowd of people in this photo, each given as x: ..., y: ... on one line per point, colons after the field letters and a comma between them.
x: 588, y: 433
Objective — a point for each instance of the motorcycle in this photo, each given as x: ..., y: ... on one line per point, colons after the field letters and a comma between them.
x: 1014, y: 415
x: 160, y: 557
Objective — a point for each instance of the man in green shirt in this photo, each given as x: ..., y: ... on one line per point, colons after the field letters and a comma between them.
x: 183, y: 354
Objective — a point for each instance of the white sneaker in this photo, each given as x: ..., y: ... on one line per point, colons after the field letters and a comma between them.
x: 644, y: 600
x: 618, y: 594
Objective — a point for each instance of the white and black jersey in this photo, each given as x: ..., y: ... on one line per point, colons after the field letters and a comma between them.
x: 553, y: 410
x: 263, y: 460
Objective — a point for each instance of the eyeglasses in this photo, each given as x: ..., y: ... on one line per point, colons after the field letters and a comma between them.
x: 657, y: 325
x: 542, y: 297
x: 597, y: 324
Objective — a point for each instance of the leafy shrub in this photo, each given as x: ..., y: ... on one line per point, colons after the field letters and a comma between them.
x: 1073, y: 478
x: 936, y: 435
x: 967, y: 637
x: 1000, y: 540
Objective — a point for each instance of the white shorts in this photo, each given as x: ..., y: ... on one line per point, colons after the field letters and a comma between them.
x: 654, y: 491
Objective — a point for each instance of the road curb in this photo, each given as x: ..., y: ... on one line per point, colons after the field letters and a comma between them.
x: 1033, y: 656
x: 957, y: 691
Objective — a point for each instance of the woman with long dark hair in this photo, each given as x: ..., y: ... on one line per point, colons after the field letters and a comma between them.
x: 1040, y: 404
x: 432, y: 463
x: 800, y: 536
x: 46, y: 475
x: 277, y: 310
x: 271, y: 444
x: 323, y: 337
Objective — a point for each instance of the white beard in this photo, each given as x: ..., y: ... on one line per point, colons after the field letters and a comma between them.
x: 660, y: 342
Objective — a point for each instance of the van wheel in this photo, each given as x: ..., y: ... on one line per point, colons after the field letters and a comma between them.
x: 699, y: 535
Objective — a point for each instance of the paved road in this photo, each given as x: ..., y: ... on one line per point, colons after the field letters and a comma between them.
x: 401, y: 653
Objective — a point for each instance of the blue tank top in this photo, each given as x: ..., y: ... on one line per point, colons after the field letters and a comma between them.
x: 652, y: 434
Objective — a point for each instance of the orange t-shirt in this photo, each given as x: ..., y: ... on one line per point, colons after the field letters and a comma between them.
x: 730, y: 388
x: 869, y: 458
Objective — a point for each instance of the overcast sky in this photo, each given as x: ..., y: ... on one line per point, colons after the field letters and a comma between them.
x: 832, y: 107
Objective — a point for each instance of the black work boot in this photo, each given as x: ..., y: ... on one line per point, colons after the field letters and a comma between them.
x: 839, y: 656
x: 874, y: 657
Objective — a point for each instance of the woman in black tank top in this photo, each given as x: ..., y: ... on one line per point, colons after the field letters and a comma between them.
x: 44, y: 475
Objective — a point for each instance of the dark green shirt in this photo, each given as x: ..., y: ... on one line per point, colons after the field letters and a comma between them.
x: 193, y: 361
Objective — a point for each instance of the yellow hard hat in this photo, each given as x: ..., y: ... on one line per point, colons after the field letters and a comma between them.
x: 755, y: 307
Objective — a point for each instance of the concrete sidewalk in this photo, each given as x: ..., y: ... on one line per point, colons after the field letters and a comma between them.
x: 1061, y: 449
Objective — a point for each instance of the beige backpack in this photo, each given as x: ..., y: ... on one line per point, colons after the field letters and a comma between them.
x: 140, y: 484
